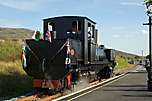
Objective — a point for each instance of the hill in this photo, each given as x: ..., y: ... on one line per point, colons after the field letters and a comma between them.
x: 127, y: 55
x: 125, y: 61
x: 15, y: 33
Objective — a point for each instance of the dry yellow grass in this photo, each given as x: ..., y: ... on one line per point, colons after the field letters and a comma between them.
x: 11, y: 67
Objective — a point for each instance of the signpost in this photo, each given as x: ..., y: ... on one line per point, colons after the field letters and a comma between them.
x: 148, y: 4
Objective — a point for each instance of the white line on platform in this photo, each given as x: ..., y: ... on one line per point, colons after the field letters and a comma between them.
x: 63, y: 97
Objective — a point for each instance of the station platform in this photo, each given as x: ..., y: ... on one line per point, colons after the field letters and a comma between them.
x: 131, y: 87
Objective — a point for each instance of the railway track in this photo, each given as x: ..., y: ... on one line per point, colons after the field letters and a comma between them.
x: 40, y: 97
x: 66, y: 96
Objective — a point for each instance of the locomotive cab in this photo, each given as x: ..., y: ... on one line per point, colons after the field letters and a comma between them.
x: 77, y: 28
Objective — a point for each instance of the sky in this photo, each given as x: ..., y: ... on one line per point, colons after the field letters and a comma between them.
x: 119, y: 22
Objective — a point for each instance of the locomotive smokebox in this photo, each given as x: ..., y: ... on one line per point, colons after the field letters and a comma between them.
x: 46, y: 60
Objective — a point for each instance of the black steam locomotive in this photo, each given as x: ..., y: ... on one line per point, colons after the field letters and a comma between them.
x: 72, y: 51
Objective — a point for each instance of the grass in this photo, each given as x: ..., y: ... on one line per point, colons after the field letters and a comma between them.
x: 13, y: 79
x: 122, y: 64
x: 10, y: 50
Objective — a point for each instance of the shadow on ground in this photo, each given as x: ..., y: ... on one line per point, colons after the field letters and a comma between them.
x: 14, y: 84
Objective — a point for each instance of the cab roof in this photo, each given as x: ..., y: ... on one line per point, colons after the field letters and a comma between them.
x: 82, y: 17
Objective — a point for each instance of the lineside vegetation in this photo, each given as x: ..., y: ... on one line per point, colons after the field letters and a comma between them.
x: 13, y: 79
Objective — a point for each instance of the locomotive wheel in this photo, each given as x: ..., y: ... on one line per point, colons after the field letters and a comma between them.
x: 100, y: 75
x: 105, y: 73
x: 108, y: 72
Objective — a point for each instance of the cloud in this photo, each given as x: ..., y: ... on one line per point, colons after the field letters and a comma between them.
x: 26, y: 5
x: 125, y: 35
x: 131, y: 4
x: 116, y: 36
x: 129, y: 36
x: 9, y: 23
x: 144, y: 32
x: 118, y: 28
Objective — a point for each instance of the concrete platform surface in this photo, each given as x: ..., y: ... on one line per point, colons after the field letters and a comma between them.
x: 132, y: 87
